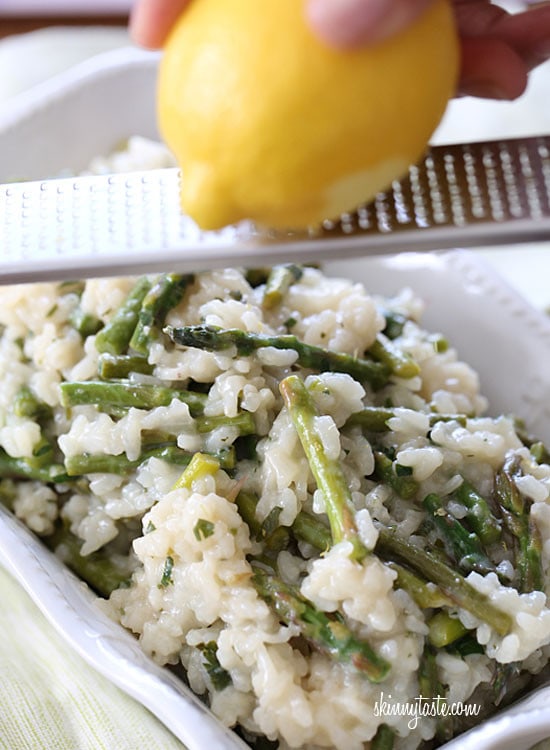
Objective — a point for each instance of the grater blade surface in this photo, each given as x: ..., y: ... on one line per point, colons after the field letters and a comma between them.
x: 465, y: 195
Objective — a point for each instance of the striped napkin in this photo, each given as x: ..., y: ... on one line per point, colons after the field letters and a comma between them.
x: 50, y: 699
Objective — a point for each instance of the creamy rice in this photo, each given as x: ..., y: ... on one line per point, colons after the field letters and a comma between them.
x: 188, y: 548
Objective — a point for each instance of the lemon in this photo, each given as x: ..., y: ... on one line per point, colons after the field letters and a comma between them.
x: 269, y: 123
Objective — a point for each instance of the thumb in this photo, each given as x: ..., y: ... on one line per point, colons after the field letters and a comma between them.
x: 350, y: 23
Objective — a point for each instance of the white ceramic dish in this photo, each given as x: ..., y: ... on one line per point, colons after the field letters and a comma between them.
x: 494, y: 329
x: 90, y: 110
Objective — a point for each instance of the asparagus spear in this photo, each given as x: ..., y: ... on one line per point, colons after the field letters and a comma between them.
x: 518, y: 521
x: 98, y: 569
x: 451, y: 583
x: 444, y: 629
x: 430, y: 687
x: 164, y: 295
x: 127, y: 394
x: 383, y: 739
x: 464, y: 546
x: 426, y: 594
x: 327, y: 472
x: 387, y: 471
x: 278, y: 283
x: 26, y: 404
x: 246, y: 505
x: 243, y: 422
x: 84, y: 323
x: 103, y: 463
x: 308, y: 528
x: 328, y: 633
x: 201, y: 465
x: 119, y: 366
x: 397, y: 361
x: 375, y: 418
x: 479, y: 514
x: 115, y: 336
x: 213, y: 338
x: 27, y: 468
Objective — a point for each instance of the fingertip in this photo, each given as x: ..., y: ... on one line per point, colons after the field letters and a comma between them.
x: 151, y: 21
x: 349, y: 23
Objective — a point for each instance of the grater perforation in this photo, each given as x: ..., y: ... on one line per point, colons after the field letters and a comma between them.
x: 465, y: 195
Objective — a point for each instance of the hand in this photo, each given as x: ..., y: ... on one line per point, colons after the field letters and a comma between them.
x: 498, y: 48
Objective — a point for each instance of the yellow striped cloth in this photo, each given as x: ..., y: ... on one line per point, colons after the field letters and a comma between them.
x: 50, y: 699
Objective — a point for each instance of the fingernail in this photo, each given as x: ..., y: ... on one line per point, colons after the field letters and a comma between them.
x: 349, y: 22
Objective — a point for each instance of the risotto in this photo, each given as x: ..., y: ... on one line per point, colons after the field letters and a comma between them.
x: 281, y: 483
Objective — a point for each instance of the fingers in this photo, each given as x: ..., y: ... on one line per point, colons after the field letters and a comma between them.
x: 491, y: 69
x: 528, y: 33
x: 152, y: 20
x: 348, y: 23
x: 499, y: 49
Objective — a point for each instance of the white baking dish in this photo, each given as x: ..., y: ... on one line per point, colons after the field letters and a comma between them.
x: 86, y: 111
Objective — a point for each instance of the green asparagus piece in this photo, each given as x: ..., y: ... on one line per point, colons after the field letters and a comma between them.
x: 375, y: 418
x: 388, y: 472
x: 201, y: 465
x: 213, y: 338
x: 278, y: 283
x: 307, y: 528
x: 28, y: 468
x: 464, y: 547
x: 115, y: 336
x: 165, y: 294
x: 518, y: 521
x: 479, y: 515
x: 26, y: 404
x: 119, y: 366
x: 397, y: 361
x: 383, y: 739
x: 537, y: 449
x: 444, y: 629
x: 465, y: 646
x: 451, y: 583
x: 430, y: 687
x: 327, y: 472
x: 257, y: 276
x: 84, y: 323
x: 98, y: 569
x: 426, y: 594
x: 126, y: 394
x: 504, y: 682
x: 103, y: 463
x: 328, y: 633
x: 540, y: 452
x: 246, y: 503
x: 243, y: 422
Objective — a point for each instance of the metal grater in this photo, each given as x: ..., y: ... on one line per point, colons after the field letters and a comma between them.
x: 479, y: 194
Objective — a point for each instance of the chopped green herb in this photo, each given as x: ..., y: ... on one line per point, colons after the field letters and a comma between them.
x: 219, y: 676
x: 203, y: 529
x: 166, y: 578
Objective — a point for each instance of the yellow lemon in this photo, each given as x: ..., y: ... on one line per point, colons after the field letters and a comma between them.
x: 269, y: 123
